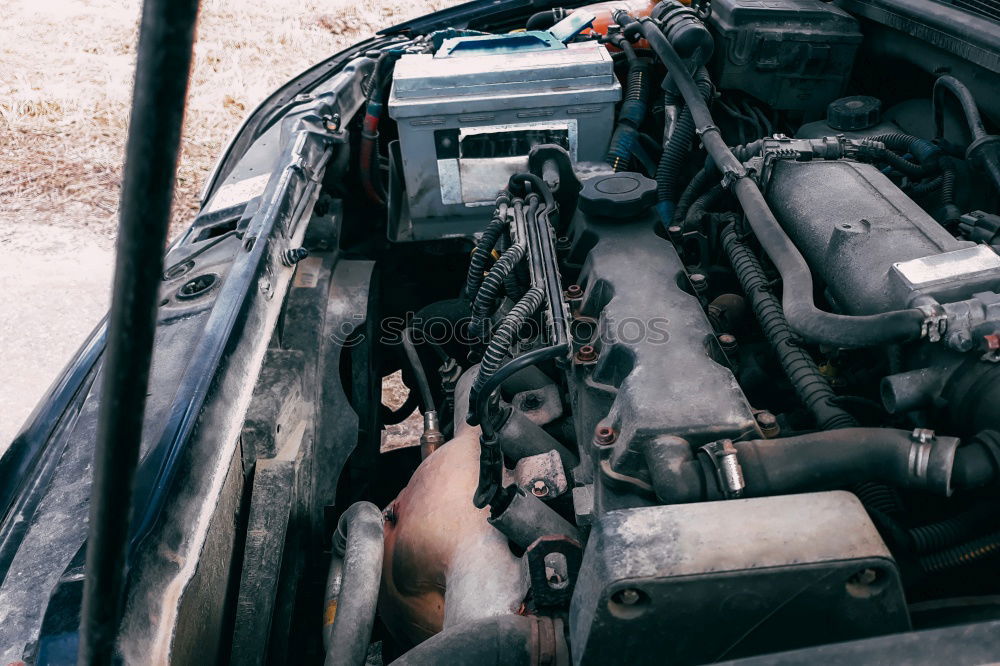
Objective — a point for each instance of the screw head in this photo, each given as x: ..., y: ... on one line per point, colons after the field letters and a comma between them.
x: 698, y: 280
x: 539, y: 488
x: 574, y: 291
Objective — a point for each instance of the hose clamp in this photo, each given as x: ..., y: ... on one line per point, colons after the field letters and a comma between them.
x: 722, y: 458
x: 930, y: 461
x: 935, y: 323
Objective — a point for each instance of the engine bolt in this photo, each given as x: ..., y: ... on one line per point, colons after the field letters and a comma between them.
x: 539, y: 489
x: 586, y: 354
x: 768, y: 423
x: 674, y: 232
x: 628, y: 597
x: 574, y: 291
x: 531, y: 402
x: 605, y: 435
x: 563, y: 244
x: 699, y: 282
x: 729, y: 345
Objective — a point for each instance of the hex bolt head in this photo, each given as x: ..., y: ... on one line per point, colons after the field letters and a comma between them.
x: 586, y: 354
x: 574, y: 291
x: 605, y: 435
x: 539, y: 488
x: 768, y: 423
x: 628, y: 597
x: 728, y: 343
x: 699, y: 282
x: 531, y: 402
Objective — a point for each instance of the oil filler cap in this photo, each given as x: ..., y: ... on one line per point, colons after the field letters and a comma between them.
x: 854, y: 113
x: 621, y: 195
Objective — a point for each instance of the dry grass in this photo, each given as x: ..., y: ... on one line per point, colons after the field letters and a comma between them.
x: 65, y: 91
x: 66, y: 83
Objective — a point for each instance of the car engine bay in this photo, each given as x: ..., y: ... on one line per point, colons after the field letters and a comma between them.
x: 699, y: 308
x: 727, y: 343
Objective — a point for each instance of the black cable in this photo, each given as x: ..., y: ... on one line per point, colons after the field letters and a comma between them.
x: 809, y: 383
x: 423, y: 386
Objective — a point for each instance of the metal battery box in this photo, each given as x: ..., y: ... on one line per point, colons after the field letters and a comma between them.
x: 718, y: 580
x: 794, y: 55
x: 469, y: 115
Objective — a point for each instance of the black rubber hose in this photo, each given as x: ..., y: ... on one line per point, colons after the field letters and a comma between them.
x: 528, y: 182
x: 481, y: 254
x: 489, y: 292
x: 803, y: 316
x: 423, y: 386
x: 631, y: 114
x: 927, y: 186
x: 946, y: 533
x: 984, y: 151
x: 675, y: 154
x: 697, y: 186
x: 966, y: 553
x: 505, y: 336
x: 800, y: 368
x: 820, y: 461
x: 506, y: 640
x: 974, y: 121
x: 980, y: 461
x: 352, y: 585
x: 702, y: 204
x: 545, y: 19
x: 927, y: 153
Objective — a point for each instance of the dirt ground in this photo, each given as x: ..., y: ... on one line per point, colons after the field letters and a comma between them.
x: 65, y: 89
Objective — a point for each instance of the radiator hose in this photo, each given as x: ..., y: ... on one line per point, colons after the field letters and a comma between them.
x: 824, y: 461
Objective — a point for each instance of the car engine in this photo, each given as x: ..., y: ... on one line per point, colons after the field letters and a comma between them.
x: 714, y: 368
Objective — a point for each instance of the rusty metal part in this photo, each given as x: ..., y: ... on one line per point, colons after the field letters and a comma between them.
x: 586, y: 354
x: 444, y: 563
x: 768, y: 423
x: 431, y: 439
x: 605, y: 435
x: 542, y: 475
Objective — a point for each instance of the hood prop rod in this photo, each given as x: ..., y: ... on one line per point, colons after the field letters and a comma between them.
x: 166, y: 37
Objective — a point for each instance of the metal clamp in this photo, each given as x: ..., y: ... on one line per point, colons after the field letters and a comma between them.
x: 722, y: 457
x: 935, y: 322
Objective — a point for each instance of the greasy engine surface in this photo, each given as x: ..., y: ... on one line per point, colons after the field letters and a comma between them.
x: 724, y: 315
